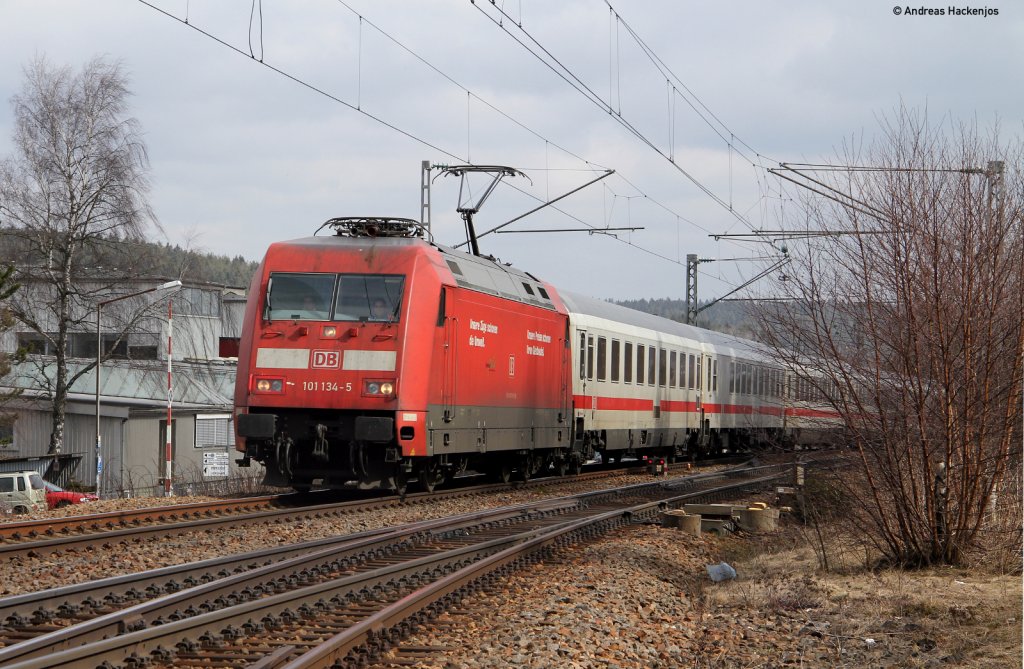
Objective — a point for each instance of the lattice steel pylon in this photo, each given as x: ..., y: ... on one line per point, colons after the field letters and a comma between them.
x: 691, y: 288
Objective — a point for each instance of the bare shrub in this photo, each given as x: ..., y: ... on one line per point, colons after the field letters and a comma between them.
x: 910, y: 324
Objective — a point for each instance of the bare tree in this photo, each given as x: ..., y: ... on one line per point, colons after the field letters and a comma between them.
x: 74, y: 188
x: 7, y: 288
x: 910, y: 325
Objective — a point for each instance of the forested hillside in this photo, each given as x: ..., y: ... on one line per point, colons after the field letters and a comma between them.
x: 731, y: 317
x: 124, y: 260
x: 174, y: 261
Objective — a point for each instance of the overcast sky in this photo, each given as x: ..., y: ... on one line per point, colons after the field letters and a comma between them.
x: 243, y: 156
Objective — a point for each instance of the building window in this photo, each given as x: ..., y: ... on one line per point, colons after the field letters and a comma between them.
x: 197, y: 302
x: 35, y: 344
x: 228, y: 347
x: 214, y: 430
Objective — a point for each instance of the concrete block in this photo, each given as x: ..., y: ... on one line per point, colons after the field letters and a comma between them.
x: 716, y: 510
x: 758, y: 520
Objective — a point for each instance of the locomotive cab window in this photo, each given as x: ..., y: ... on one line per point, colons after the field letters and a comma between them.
x: 300, y: 296
x: 345, y: 297
x: 368, y: 297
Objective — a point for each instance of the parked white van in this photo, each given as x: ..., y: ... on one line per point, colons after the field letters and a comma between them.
x: 22, y: 492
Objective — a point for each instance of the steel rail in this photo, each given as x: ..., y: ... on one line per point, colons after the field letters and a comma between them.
x: 23, y: 615
x: 286, y: 605
x: 380, y: 630
x: 260, y: 579
x: 205, y: 517
x: 98, y: 522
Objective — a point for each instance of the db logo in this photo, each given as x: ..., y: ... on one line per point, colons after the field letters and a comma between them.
x: 325, y: 360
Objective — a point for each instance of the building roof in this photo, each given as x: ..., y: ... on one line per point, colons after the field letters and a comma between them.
x: 137, y: 383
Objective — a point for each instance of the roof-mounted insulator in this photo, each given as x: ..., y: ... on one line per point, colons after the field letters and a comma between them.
x: 374, y: 226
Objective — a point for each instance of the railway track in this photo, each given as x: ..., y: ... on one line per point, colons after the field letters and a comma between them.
x: 311, y: 605
x: 92, y: 532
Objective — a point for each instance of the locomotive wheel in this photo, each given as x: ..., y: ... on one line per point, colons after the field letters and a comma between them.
x: 525, y: 468
x: 401, y: 482
x: 502, y: 472
x: 575, y: 465
x: 430, y: 475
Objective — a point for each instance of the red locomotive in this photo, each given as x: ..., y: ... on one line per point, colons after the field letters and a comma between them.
x: 378, y: 357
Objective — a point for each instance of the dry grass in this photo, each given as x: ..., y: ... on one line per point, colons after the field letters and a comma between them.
x: 937, y: 617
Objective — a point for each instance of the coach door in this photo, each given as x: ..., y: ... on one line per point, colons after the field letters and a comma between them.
x: 705, y: 394
x: 566, y: 375
x: 451, y: 350
x: 587, y: 403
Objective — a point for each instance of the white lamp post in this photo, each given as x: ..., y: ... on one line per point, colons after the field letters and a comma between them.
x: 99, y: 359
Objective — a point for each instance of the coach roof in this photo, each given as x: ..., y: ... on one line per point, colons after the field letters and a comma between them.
x: 589, y: 306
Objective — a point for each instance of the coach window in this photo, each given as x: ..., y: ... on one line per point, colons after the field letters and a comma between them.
x: 640, y: 364
x: 714, y: 375
x: 692, y: 371
x: 590, y: 358
x: 602, y: 358
x: 672, y: 370
x: 615, y: 361
x: 662, y: 367
x: 682, y: 370
x: 652, y: 369
x: 732, y: 376
x: 627, y: 369
x: 583, y: 355
x: 699, y: 361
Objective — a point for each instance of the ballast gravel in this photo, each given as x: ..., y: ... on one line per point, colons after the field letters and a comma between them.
x: 23, y: 575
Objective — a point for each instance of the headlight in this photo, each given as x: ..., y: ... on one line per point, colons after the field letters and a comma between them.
x: 379, y: 388
x: 269, y: 385
x: 329, y: 332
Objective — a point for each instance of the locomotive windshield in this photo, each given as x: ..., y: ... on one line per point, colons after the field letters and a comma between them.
x: 335, y: 297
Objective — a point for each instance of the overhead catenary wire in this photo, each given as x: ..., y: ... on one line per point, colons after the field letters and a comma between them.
x: 414, y: 137
x: 567, y: 75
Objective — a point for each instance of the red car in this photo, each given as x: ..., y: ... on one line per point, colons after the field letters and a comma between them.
x: 57, y: 497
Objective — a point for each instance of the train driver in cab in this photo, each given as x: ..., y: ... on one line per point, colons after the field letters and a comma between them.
x: 380, y: 310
